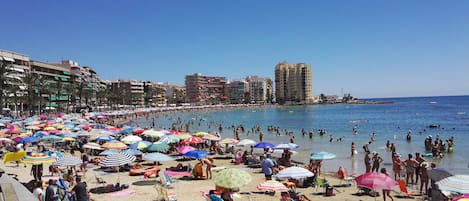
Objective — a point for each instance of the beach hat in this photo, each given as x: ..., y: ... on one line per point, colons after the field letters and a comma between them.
x: 424, y: 165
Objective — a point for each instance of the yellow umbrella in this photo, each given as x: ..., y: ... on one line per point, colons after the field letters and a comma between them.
x: 49, y: 128
x: 69, y: 139
x: 114, y: 145
x: 59, y: 126
x: 200, y: 134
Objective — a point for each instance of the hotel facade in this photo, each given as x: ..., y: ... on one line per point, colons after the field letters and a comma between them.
x: 293, y: 83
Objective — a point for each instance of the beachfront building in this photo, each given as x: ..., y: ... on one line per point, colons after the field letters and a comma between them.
x: 155, y: 94
x: 14, y: 67
x: 239, y: 92
x: 206, y: 90
x: 52, y: 86
x: 260, y: 89
x: 128, y: 93
x: 293, y: 83
x: 175, y: 94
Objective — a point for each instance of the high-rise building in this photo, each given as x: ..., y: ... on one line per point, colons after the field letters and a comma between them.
x: 238, y: 91
x: 293, y: 83
x: 260, y: 89
x: 208, y: 90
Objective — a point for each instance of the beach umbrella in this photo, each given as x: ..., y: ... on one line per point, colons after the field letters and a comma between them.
x: 153, y: 133
x: 211, y: 137
x: 108, y: 152
x: 114, y: 145
x: 29, y: 140
x: 54, y: 131
x: 200, y: 134
x: 140, y: 145
x: 294, y: 172
x: 133, y: 152
x: 185, y: 149
x: 264, y: 145
x: 138, y: 131
x: 68, y: 161
x: 169, y: 139
x: 229, y: 141
x: 33, y: 127
x: 40, y: 134
x: 246, y: 142
x: 232, y: 178
x: 271, y: 185
x: 83, y: 134
x: 197, y: 154
x: 6, y: 140
x: 456, y: 183
x: 322, y: 156
x: 17, y: 139
x: 117, y: 159
x: 51, y: 138
x: 375, y: 181
x: 157, y: 146
x: 92, y: 145
x: 131, y: 139
x: 105, y: 138
x: 49, y: 128
x: 438, y: 174
x: 286, y: 146
x: 157, y: 157
x: 193, y: 140
x: 37, y: 158
x: 69, y: 139
x: 464, y: 197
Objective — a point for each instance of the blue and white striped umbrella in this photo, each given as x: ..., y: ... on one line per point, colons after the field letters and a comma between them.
x: 117, y: 159
x: 68, y: 161
x: 322, y: 156
x: 286, y: 146
x: 108, y: 152
x: 455, y: 184
x: 133, y: 152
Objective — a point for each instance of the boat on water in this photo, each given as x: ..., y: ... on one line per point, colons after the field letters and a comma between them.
x: 434, y: 126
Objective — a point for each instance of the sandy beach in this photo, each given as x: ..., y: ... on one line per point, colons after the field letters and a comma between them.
x: 190, y: 190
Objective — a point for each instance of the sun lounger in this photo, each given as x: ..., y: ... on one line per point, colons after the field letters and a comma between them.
x: 178, y: 174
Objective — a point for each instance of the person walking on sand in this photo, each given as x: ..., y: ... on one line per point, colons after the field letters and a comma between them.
x: 208, y: 169
x: 367, y: 161
x: 386, y: 192
x: 267, y: 166
x: 410, y: 165
x: 377, y: 160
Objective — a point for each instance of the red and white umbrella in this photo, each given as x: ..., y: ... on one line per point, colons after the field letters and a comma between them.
x: 272, y: 185
x: 229, y: 141
x: 193, y: 140
x: 375, y: 181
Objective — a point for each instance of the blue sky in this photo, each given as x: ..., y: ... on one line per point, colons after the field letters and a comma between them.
x: 367, y: 48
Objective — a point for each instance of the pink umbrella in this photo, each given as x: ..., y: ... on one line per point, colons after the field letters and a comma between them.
x: 193, y: 140
x: 185, y: 149
x: 375, y: 181
x: 464, y: 197
x: 272, y: 185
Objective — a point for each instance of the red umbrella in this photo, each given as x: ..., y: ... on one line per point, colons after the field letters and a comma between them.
x: 138, y: 131
x: 193, y: 140
x: 375, y: 181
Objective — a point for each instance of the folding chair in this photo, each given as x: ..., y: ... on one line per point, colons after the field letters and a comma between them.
x: 100, y: 180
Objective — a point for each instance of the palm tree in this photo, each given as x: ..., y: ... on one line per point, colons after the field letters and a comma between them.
x: 5, y: 70
x: 31, y: 80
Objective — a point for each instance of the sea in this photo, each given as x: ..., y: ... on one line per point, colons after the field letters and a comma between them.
x: 388, y: 121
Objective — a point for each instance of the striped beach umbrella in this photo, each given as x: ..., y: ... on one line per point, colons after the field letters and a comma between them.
x: 193, y: 140
x: 294, y: 172
x: 114, y: 145
x: 229, y: 141
x: 271, y: 185
x: 232, y: 178
x: 457, y: 184
x: 92, y: 145
x: 37, y: 158
x: 286, y: 146
x: 169, y: 139
x: 108, y: 152
x: 68, y: 161
x: 117, y: 159
x: 133, y: 152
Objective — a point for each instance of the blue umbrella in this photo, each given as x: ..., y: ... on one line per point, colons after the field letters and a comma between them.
x: 40, y: 134
x: 264, y: 145
x: 126, y: 131
x: 133, y: 152
x: 29, y: 140
x: 139, y: 145
x: 108, y: 152
x: 105, y: 138
x: 322, y: 156
x: 197, y: 154
x: 157, y: 157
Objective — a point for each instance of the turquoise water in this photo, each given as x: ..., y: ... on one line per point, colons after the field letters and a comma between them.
x: 388, y: 121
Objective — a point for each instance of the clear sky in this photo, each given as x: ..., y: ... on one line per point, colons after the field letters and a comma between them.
x: 368, y: 48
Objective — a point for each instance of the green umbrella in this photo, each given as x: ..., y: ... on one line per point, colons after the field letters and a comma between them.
x: 232, y: 178
x: 157, y: 146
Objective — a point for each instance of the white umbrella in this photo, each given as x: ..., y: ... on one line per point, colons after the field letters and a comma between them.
x: 246, y: 142
x: 131, y: 139
x: 294, y: 172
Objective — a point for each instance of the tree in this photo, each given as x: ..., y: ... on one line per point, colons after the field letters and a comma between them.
x: 5, y: 71
x: 31, y: 81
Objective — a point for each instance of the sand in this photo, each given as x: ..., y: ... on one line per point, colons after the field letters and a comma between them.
x: 189, y: 190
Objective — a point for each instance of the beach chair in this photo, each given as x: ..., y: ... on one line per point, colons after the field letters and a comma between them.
x: 404, y: 192
x: 165, y: 179
x: 100, y: 180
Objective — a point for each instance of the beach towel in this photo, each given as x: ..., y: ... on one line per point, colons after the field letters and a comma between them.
x: 13, y: 156
x: 178, y: 174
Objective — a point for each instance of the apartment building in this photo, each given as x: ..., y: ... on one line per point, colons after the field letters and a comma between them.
x: 293, y: 83
x: 206, y: 90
